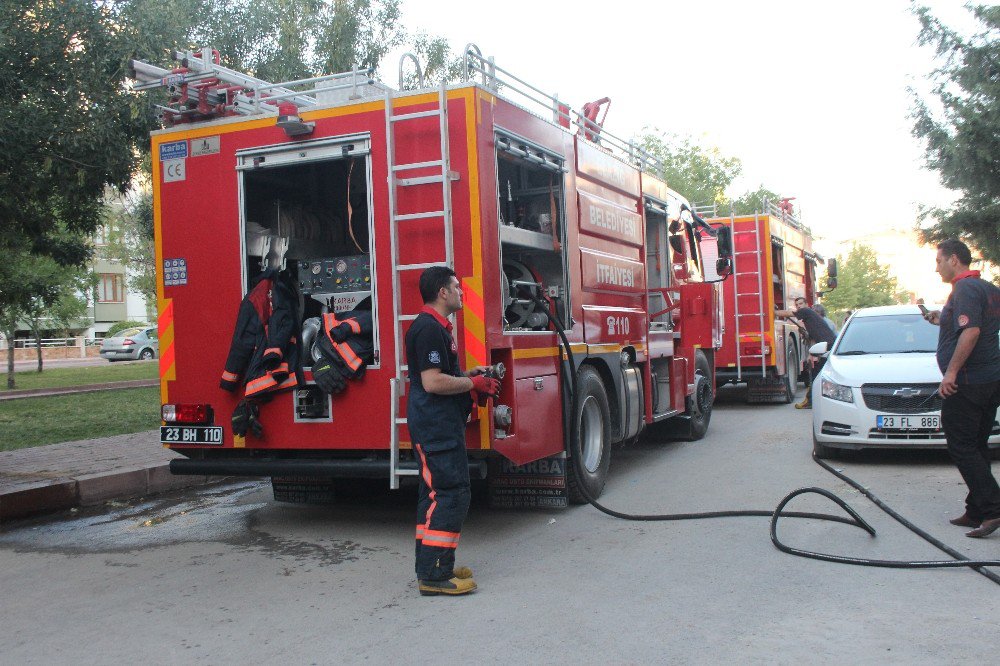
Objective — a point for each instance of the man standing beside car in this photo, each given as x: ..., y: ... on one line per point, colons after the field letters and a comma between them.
x: 968, y: 355
x: 818, y: 331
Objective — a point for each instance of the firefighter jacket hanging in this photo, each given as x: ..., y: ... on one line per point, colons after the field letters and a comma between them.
x: 343, y: 348
x: 264, y: 354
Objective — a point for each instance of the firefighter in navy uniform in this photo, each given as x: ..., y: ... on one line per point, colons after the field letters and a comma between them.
x: 440, y: 400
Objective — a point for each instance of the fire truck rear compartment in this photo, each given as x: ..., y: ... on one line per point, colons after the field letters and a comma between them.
x: 312, y: 218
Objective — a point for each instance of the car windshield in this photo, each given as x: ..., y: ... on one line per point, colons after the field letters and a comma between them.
x: 888, y: 334
x: 128, y: 333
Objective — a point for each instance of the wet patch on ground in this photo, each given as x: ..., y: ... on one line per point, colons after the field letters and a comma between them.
x: 229, y: 514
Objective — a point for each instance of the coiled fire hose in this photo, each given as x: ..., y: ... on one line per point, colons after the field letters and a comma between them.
x: 779, y: 512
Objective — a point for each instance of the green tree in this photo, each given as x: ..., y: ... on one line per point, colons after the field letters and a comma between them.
x: 861, y: 282
x: 68, y: 127
x: 962, y: 132
x: 66, y: 309
x: 438, y: 61
x: 753, y: 201
x: 41, y: 282
x: 275, y: 40
x: 700, y: 173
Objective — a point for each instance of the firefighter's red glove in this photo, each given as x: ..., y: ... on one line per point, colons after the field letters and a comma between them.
x: 484, y: 387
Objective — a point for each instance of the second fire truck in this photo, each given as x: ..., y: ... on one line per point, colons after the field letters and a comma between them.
x: 773, y: 264
x: 347, y: 189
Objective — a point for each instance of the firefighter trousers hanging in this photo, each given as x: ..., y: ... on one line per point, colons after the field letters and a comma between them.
x: 442, y: 505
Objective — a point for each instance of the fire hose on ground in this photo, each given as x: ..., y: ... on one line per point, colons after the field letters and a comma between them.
x: 779, y: 512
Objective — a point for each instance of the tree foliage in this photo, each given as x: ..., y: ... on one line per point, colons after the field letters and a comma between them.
x: 66, y: 310
x: 67, y: 124
x: 700, y: 173
x: 275, y: 40
x: 962, y: 132
x: 862, y: 282
x: 438, y: 61
x: 68, y: 127
x: 753, y: 201
x: 39, y: 283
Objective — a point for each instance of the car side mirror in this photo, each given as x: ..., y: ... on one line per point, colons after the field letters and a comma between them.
x: 818, y: 349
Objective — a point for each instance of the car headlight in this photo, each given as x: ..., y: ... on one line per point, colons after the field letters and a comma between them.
x: 836, y: 391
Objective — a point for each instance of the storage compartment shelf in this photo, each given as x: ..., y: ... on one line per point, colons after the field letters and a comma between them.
x: 525, y: 238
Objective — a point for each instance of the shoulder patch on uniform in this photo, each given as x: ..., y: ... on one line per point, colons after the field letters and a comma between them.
x: 963, y: 320
x: 434, y: 357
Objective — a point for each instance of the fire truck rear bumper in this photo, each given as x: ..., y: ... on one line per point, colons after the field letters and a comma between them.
x: 330, y: 469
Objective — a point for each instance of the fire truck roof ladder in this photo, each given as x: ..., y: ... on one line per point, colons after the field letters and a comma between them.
x: 202, y: 87
x: 758, y: 274
x: 444, y: 176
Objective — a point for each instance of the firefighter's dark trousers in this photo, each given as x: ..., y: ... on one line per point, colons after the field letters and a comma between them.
x: 967, y: 417
x: 442, y: 505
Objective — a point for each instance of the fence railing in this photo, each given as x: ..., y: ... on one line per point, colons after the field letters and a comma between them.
x: 30, y: 343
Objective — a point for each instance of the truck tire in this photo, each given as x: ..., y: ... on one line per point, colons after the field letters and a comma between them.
x: 590, y: 457
x: 791, y: 371
x: 699, y: 404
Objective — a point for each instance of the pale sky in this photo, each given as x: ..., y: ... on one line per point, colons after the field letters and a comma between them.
x: 810, y: 96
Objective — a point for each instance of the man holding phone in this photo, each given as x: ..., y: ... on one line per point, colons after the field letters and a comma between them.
x: 968, y: 355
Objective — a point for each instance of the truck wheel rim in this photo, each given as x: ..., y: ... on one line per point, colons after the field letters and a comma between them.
x: 591, y: 434
x: 703, y: 395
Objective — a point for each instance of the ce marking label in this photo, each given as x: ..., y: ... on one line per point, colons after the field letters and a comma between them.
x: 173, y: 170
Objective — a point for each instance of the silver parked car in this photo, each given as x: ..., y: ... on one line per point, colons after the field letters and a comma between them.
x: 132, y: 344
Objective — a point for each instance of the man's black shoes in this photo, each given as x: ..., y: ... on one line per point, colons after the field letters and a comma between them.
x: 987, y: 528
x: 965, y: 521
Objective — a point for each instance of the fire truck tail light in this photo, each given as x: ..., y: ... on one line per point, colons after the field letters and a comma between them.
x: 186, y: 413
x: 755, y: 350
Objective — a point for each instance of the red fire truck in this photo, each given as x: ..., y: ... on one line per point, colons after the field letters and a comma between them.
x: 773, y: 263
x: 352, y: 188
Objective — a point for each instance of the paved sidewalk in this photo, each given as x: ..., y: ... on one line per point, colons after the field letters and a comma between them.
x: 61, y: 476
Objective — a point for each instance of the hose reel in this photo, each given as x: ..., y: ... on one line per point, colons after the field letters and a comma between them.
x: 521, y: 312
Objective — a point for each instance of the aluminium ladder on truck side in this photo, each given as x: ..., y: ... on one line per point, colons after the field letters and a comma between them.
x: 444, y: 177
x: 759, y: 275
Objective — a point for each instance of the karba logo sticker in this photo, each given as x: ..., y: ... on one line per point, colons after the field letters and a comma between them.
x: 963, y: 320
x: 434, y: 357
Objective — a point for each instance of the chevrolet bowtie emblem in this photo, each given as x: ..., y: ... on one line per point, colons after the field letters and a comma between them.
x: 907, y: 392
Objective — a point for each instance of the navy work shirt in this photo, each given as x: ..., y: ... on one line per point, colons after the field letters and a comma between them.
x: 815, y: 326
x: 972, y: 303
x: 436, y: 422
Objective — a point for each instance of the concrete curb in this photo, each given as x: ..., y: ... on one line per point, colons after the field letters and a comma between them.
x: 88, y: 489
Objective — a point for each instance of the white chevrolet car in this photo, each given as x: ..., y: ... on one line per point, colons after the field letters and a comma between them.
x: 879, y: 386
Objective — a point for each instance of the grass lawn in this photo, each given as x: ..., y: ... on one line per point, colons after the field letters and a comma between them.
x: 94, y: 374
x: 36, y: 421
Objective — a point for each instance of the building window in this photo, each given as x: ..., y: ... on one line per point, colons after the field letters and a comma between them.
x: 102, y: 235
x: 111, y: 288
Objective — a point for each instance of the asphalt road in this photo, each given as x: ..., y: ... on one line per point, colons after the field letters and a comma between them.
x: 226, y: 575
